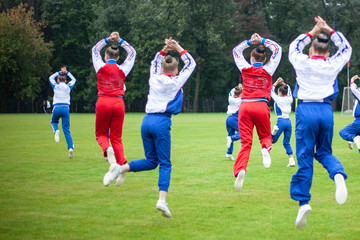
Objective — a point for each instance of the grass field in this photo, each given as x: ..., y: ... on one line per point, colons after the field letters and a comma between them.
x: 45, y: 195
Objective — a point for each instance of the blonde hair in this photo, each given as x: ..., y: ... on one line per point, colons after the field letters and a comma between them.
x: 169, y: 64
x: 113, y: 51
x: 321, y: 44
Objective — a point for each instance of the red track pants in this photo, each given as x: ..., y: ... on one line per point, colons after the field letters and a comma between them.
x: 110, y: 113
x: 250, y: 114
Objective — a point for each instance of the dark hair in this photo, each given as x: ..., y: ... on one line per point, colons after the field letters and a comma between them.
x: 62, y: 77
x: 259, y: 54
x: 113, y: 51
x: 238, y: 91
x: 321, y: 44
x: 284, y: 89
x: 169, y: 64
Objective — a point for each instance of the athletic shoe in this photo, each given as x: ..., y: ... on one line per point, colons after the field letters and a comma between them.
x: 163, y: 207
x: 351, y: 145
x: 120, y: 179
x: 229, y: 156
x: 113, y: 172
x: 228, y: 141
x: 110, y: 155
x: 71, y: 153
x: 291, y: 162
x: 275, y: 129
x: 57, y: 136
x: 266, y: 157
x: 239, y: 181
x: 303, y: 212
x: 357, y: 141
x: 341, y: 191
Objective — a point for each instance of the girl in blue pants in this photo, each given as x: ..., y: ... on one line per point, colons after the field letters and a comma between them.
x: 232, y: 123
x: 351, y: 132
x: 61, y: 102
x: 316, y: 86
x: 164, y: 99
x: 282, y: 106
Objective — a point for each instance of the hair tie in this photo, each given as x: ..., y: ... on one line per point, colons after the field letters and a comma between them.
x: 114, y: 47
x: 261, y: 51
x: 322, y: 40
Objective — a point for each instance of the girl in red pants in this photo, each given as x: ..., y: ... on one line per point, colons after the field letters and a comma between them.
x: 254, y: 111
x: 110, y: 108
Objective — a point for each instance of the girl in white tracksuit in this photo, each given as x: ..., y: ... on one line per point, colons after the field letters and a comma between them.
x: 282, y: 107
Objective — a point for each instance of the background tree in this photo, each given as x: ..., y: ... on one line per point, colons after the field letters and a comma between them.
x: 24, y: 56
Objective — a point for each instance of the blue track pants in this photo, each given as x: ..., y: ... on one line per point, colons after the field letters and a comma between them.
x: 155, y: 133
x: 284, y: 125
x: 63, y: 113
x: 232, y: 127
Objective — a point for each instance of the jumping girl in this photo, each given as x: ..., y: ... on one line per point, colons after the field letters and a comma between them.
x: 254, y: 111
x: 110, y: 108
x: 282, y: 106
x: 61, y: 102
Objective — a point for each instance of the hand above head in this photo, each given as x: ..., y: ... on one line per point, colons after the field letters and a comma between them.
x: 255, y: 39
x: 63, y: 70
x: 240, y: 85
x: 172, y: 44
x: 354, y: 78
x: 114, y: 37
x: 324, y: 26
x: 279, y: 81
x: 317, y: 28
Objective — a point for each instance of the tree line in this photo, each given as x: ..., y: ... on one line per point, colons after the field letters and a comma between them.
x: 38, y: 37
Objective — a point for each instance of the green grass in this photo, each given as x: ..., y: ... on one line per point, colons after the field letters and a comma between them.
x: 45, y: 195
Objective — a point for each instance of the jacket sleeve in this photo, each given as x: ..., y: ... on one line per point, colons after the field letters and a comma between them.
x: 52, y: 79
x: 156, y: 63
x: 275, y: 58
x: 355, y: 91
x: 296, y: 55
x: 186, y: 71
x: 343, y: 54
x: 96, y: 56
x: 239, y: 56
x: 129, y: 62
x: 72, y: 82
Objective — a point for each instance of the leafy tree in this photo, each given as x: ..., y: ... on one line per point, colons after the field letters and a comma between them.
x: 24, y: 55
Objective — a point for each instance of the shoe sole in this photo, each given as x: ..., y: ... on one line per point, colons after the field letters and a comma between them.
x: 341, y: 191
x: 120, y: 179
x: 239, y: 180
x: 302, y: 221
x: 266, y: 158
x: 57, y: 137
x: 163, y: 212
x: 71, y: 154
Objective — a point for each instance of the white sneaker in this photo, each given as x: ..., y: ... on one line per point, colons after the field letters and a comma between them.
x: 341, y: 191
x: 275, y: 129
x: 163, y: 207
x: 266, y: 157
x: 71, y: 153
x: 57, y: 136
x: 357, y: 141
x: 303, y: 212
x: 351, y: 145
x: 110, y: 155
x: 228, y: 141
x: 120, y: 179
x: 291, y: 162
x: 230, y: 156
x: 239, y: 181
x: 111, y: 174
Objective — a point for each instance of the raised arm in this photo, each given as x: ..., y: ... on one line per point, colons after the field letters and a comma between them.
x: 96, y: 56
x: 275, y: 58
x: 156, y: 63
x: 239, y: 56
x: 129, y: 62
x: 72, y: 82
x: 52, y: 79
x: 354, y: 88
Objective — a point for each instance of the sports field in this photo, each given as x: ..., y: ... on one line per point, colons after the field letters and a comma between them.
x: 46, y: 195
